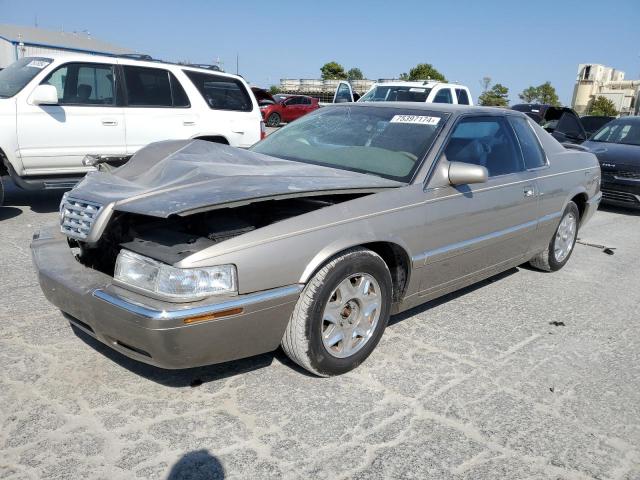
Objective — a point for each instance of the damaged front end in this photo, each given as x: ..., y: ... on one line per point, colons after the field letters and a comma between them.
x: 171, y: 240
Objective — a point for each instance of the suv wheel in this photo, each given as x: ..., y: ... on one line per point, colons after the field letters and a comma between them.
x: 341, y: 314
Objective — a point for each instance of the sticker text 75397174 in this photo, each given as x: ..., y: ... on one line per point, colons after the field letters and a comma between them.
x: 415, y: 119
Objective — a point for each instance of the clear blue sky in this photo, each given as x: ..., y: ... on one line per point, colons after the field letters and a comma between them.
x: 516, y: 43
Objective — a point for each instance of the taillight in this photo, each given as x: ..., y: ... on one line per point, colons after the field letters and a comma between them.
x: 263, y: 131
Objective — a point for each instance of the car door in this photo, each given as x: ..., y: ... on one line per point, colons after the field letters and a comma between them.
x: 54, y: 139
x: 229, y: 109
x: 156, y: 107
x: 569, y: 129
x: 343, y: 93
x: 474, y: 230
x: 291, y: 109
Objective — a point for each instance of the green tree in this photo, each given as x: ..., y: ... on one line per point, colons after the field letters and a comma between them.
x: 355, y: 74
x: 548, y: 94
x: 544, y: 93
x: 603, y: 106
x: 496, y: 96
x: 423, y: 71
x: 333, y: 71
x: 529, y: 95
x: 274, y: 89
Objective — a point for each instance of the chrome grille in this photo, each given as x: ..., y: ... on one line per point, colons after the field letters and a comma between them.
x: 77, y: 217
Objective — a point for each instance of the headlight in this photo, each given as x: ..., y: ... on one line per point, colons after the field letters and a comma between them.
x: 61, y: 207
x: 179, y: 284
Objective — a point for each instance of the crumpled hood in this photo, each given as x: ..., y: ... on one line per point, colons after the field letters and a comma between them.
x: 186, y: 176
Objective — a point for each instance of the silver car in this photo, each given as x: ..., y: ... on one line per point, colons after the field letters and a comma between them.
x: 195, y: 253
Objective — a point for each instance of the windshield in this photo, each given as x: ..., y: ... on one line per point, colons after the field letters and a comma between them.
x: 18, y: 74
x: 396, y: 93
x: 387, y: 142
x: 619, y: 132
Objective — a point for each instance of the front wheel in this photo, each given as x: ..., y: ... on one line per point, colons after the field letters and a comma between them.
x: 557, y: 253
x: 341, y: 314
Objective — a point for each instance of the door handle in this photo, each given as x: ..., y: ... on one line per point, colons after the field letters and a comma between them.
x: 529, y: 192
x: 188, y: 123
x: 107, y: 122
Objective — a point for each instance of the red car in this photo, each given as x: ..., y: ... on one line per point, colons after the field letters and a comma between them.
x: 275, y: 111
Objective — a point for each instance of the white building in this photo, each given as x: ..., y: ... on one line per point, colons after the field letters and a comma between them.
x: 601, y: 81
x: 17, y: 42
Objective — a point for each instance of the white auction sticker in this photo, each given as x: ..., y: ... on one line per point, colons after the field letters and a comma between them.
x: 37, y: 64
x: 418, y: 90
x: 419, y: 119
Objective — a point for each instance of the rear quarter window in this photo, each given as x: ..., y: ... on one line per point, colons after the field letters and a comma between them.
x: 529, y: 145
x: 221, y: 93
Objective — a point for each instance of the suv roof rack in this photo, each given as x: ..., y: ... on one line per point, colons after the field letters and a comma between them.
x: 205, y: 65
x: 137, y: 56
x: 148, y: 58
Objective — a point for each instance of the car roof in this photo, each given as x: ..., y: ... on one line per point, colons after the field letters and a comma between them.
x: 128, y: 60
x: 433, y: 107
x: 417, y: 83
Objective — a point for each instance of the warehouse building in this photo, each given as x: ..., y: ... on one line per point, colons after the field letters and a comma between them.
x: 596, y: 80
x: 17, y: 42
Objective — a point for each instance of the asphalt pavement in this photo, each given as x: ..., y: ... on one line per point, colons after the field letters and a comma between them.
x: 526, y: 375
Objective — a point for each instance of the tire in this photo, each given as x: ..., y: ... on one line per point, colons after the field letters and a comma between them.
x: 309, y: 336
x: 273, y: 120
x: 549, y: 260
x: 1, y: 192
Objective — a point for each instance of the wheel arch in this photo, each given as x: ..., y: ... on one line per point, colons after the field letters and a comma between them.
x: 394, y: 254
x: 3, y: 166
x: 580, y: 199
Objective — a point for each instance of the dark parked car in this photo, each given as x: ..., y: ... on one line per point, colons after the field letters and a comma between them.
x: 561, y: 122
x: 593, y: 123
x: 617, y: 146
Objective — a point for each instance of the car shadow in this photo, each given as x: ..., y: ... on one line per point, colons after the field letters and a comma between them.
x: 395, y: 319
x: 198, y: 464
x: 38, y: 201
x: 606, y: 207
x: 9, y: 212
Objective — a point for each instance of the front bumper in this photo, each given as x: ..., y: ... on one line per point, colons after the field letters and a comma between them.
x: 620, y: 190
x: 153, y: 331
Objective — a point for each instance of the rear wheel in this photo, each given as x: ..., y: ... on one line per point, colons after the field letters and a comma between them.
x: 273, y: 120
x: 341, y: 314
x: 559, y: 250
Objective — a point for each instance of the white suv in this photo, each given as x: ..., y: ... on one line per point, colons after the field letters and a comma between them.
x: 428, y: 91
x: 55, y: 110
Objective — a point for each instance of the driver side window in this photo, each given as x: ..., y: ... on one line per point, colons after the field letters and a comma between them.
x: 486, y: 141
x: 83, y: 84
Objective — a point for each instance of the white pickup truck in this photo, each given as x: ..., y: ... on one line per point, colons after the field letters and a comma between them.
x: 56, y: 110
x: 424, y: 91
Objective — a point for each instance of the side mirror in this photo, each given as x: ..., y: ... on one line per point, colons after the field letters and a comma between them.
x: 465, y: 173
x: 44, y: 95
